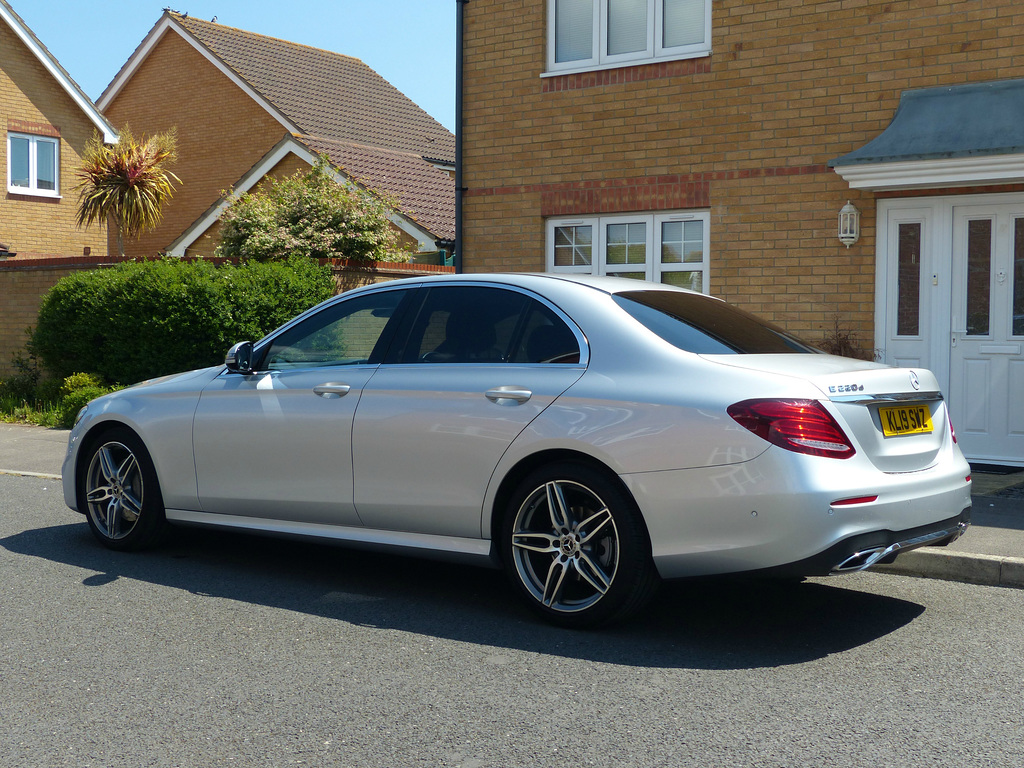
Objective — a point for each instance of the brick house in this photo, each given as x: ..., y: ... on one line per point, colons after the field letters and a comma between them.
x: 47, y: 120
x: 247, y: 106
x: 713, y: 145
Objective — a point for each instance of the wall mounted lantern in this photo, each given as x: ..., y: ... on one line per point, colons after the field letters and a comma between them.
x: 849, y: 224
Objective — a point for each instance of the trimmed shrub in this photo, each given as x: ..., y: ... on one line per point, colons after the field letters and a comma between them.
x: 139, y: 320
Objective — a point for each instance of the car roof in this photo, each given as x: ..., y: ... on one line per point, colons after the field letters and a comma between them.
x: 537, y: 280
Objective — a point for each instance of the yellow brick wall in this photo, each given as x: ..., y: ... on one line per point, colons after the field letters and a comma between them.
x: 222, y: 132
x: 22, y: 285
x: 789, y: 85
x: 32, y: 101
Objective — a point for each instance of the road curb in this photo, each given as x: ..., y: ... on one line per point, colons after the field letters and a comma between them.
x: 936, y: 563
x: 21, y: 473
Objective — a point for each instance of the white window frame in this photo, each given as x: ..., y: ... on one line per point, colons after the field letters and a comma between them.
x: 33, y: 165
x: 653, y: 269
x: 654, y: 51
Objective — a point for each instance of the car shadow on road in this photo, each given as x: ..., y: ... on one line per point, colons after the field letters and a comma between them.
x: 694, y: 625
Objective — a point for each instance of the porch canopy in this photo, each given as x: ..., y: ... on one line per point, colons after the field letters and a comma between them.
x: 962, y: 135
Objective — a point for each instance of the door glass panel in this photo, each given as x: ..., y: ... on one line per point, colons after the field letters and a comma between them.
x: 908, y: 308
x: 544, y: 338
x: 627, y: 243
x: 574, y: 246
x: 979, y: 276
x: 346, y: 333
x: 627, y: 26
x: 1018, y: 277
x: 466, y: 324
x: 574, y: 30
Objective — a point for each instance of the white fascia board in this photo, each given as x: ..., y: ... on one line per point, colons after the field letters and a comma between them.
x: 259, y: 172
x: 166, y: 24
x: 934, y: 174
x: 51, y: 66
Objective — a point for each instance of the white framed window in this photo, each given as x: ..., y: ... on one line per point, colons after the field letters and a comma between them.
x: 670, y: 247
x: 595, y: 34
x: 33, y: 165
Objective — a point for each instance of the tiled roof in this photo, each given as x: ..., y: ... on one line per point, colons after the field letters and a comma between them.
x: 425, y: 194
x: 323, y: 93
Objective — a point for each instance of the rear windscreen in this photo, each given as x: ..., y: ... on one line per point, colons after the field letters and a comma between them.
x: 707, y: 326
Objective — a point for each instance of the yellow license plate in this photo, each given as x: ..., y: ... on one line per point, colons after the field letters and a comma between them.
x: 905, y: 420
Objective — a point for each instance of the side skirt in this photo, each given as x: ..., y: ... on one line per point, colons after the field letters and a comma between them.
x: 447, y: 548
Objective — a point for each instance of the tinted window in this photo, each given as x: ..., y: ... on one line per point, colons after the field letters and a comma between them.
x: 545, y: 338
x: 707, y: 326
x: 476, y: 324
x: 347, y: 333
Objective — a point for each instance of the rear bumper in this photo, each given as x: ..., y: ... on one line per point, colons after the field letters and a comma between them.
x: 860, y: 552
x: 797, y: 515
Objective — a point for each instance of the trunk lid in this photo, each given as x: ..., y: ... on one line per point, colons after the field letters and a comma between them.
x: 896, y: 417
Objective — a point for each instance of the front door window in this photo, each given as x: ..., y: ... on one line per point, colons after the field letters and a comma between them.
x: 979, y: 276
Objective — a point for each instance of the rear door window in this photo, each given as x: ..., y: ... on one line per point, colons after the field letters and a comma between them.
x: 483, y: 324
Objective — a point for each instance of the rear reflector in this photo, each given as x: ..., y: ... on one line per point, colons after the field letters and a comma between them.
x: 855, y: 500
x: 803, y: 426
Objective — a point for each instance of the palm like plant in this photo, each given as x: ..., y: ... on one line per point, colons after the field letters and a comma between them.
x: 126, y: 182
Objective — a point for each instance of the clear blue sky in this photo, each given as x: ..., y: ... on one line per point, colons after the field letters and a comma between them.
x: 411, y: 43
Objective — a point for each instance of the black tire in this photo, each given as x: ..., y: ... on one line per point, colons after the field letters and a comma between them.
x: 575, y: 545
x: 119, y: 492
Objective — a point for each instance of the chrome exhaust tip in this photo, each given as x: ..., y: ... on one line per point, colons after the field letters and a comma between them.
x: 866, y: 558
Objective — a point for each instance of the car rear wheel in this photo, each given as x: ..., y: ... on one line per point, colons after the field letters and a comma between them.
x: 119, y: 489
x: 576, y: 547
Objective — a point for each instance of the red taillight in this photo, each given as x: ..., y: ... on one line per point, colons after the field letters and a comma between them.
x: 803, y: 426
x: 952, y: 431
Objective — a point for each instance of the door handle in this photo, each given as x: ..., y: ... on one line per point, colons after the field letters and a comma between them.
x: 508, y: 395
x: 331, y: 390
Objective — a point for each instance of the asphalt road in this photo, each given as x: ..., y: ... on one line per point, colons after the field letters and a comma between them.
x: 226, y: 650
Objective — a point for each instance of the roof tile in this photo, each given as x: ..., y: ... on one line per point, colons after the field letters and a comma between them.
x: 424, y: 193
x: 325, y: 94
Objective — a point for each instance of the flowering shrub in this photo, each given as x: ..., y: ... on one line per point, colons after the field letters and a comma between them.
x: 309, y: 214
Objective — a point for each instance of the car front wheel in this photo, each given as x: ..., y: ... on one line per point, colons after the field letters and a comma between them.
x: 119, y: 488
x: 576, y: 546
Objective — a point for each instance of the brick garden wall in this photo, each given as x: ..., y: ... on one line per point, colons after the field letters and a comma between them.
x: 24, y: 281
x: 746, y: 133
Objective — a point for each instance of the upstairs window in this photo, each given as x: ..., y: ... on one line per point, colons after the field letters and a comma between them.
x: 595, y: 34
x: 32, y: 164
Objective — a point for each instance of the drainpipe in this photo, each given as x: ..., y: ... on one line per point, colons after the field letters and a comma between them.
x: 459, y: 189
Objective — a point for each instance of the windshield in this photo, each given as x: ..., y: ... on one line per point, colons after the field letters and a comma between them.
x: 707, y: 326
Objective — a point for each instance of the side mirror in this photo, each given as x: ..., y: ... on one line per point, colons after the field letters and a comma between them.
x: 239, y: 358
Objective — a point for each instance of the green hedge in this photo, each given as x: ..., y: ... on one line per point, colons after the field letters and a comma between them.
x: 144, y: 319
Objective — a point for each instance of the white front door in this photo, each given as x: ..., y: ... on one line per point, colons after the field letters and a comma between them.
x: 986, y: 387
x: 950, y: 297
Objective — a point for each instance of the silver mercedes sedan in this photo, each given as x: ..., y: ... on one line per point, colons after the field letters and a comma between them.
x: 591, y: 436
